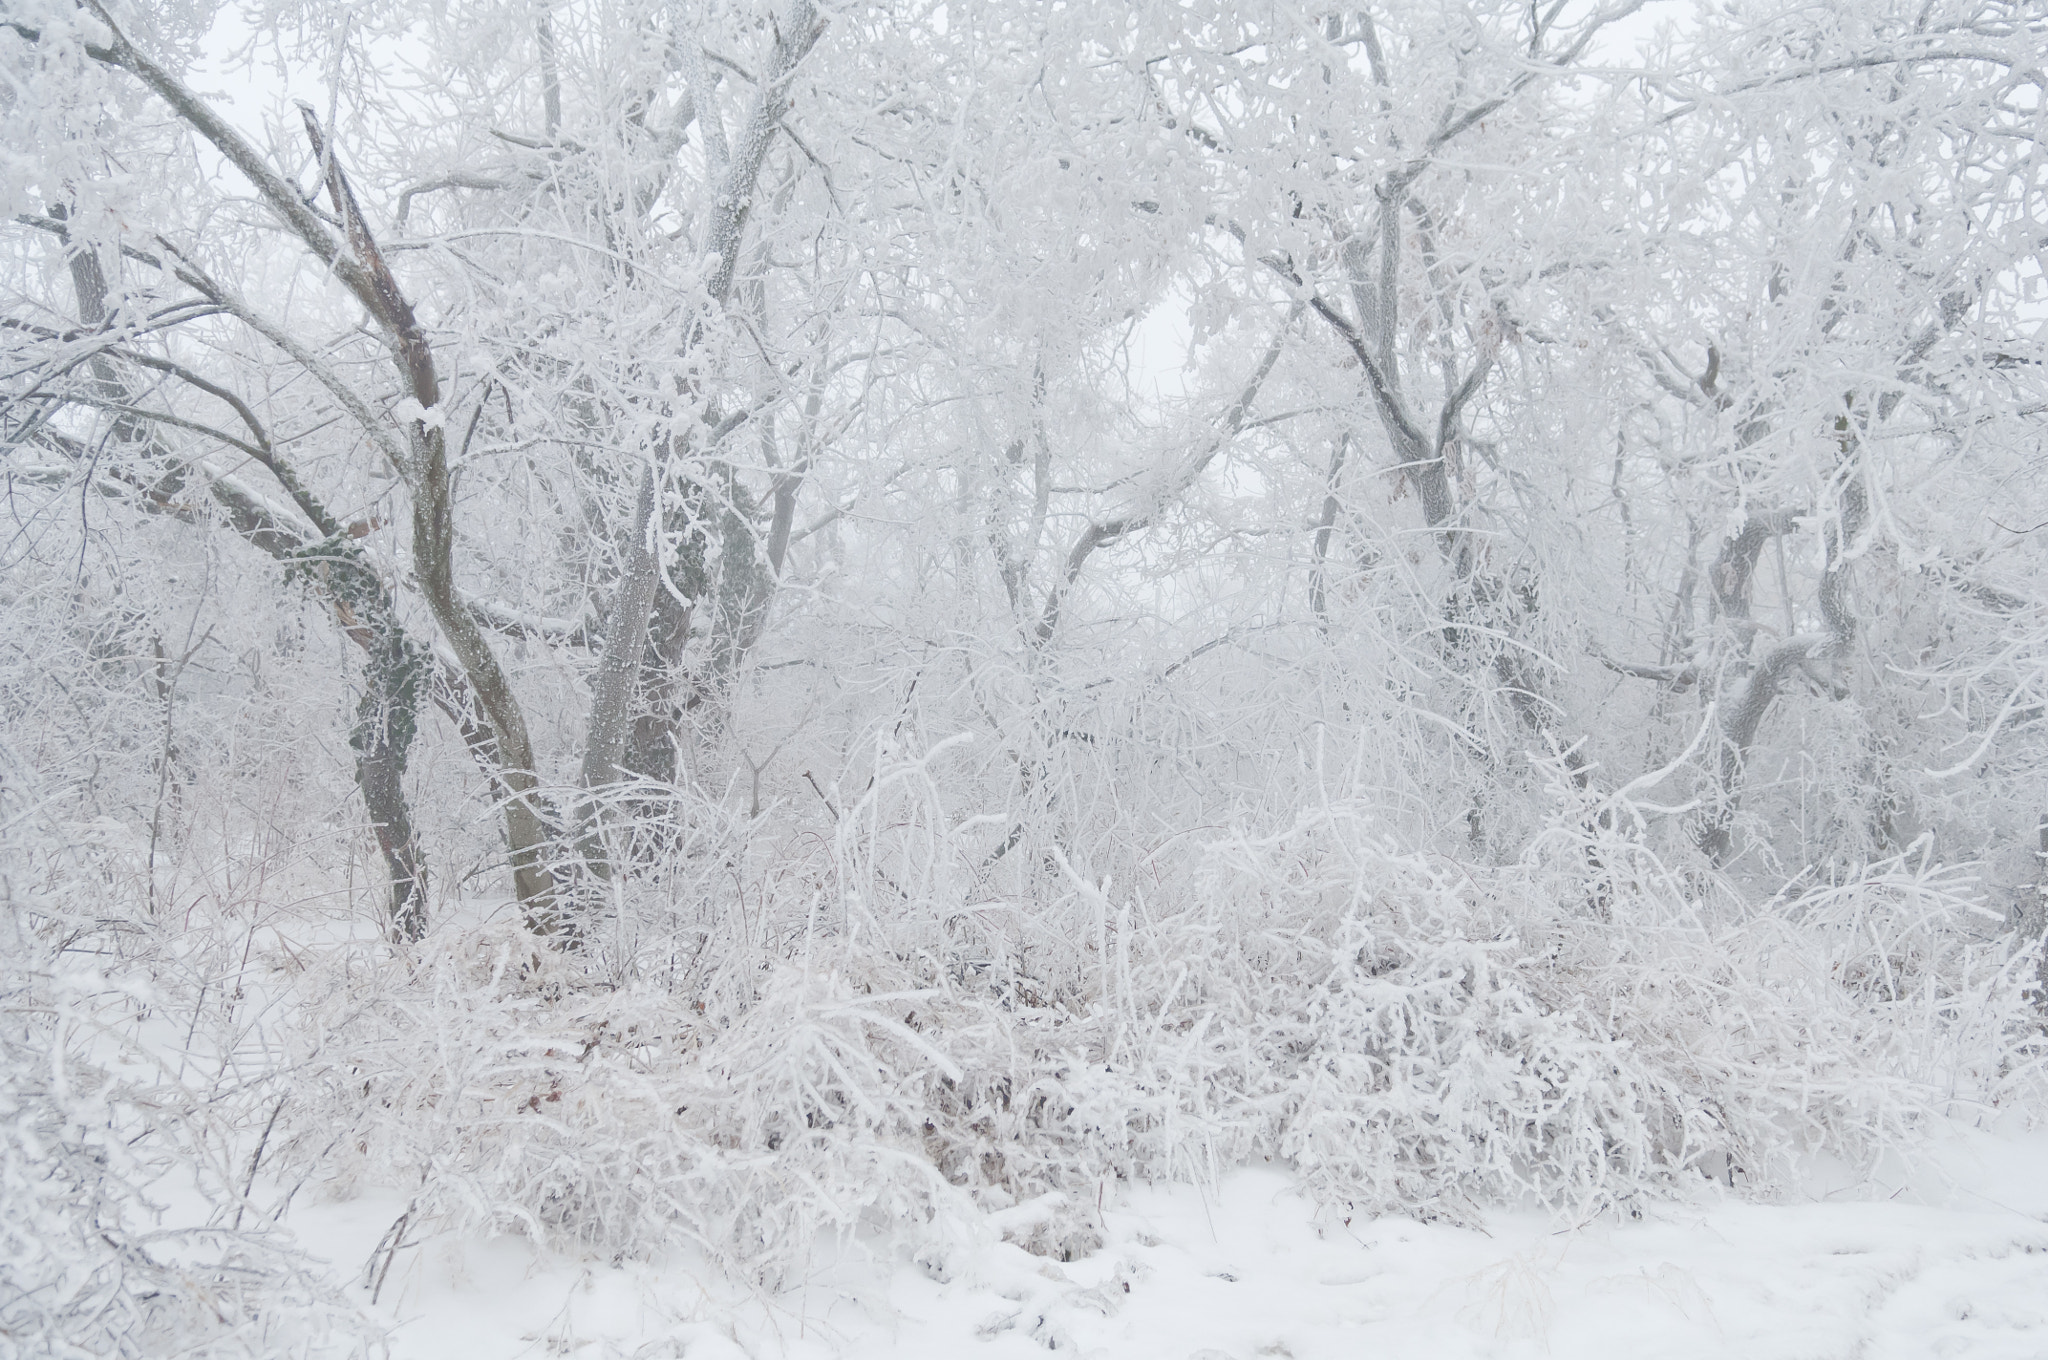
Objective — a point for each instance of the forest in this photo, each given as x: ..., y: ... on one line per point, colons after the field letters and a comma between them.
x: 713, y: 626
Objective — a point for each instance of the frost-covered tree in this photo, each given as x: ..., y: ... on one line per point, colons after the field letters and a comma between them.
x: 1026, y: 592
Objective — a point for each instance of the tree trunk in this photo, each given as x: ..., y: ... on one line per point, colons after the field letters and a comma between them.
x: 639, y: 585
x: 387, y: 718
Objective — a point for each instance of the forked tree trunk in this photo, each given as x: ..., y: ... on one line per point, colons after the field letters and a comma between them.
x: 626, y: 633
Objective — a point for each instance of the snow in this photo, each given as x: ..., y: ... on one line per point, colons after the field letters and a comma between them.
x: 432, y: 417
x: 1947, y: 1257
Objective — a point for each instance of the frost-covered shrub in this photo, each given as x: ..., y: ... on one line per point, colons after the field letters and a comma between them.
x: 1417, y: 1036
x: 83, y: 1269
x: 94, y: 1131
x: 1579, y: 1029
x: 622, y: 1121
x: 1573, y: 1029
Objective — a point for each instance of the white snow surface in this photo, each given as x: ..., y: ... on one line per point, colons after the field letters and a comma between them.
x: 1945, y: 1257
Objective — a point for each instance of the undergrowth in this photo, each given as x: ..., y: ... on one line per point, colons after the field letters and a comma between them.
x: 873, y: 1054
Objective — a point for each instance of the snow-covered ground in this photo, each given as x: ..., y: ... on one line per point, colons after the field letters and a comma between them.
x: 1946, y: 1257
